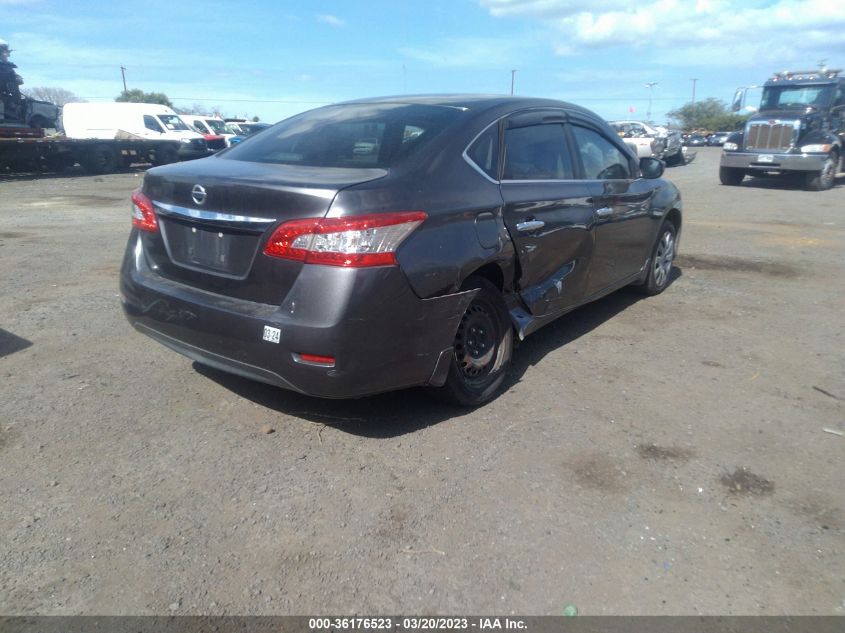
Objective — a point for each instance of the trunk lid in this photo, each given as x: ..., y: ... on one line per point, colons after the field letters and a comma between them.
x: 215, y: 216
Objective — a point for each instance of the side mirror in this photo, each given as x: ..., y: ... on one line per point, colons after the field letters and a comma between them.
x: 739, y: 98
x: 651, y: 167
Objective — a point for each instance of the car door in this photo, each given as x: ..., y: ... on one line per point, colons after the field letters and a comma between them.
x: 547, y: 211
x: 622, y: 205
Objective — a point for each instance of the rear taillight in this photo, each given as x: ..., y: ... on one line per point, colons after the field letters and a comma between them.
x: 143, y: 215
x: 357, y: 241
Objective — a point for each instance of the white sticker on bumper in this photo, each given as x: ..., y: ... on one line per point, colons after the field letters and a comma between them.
x: 272, y: 334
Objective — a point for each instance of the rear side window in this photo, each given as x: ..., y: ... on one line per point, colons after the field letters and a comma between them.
x: 485, y: 151
x: 601, y: 159
x: 537, y: 152
x: 151, y: 124
x: 354, y: 135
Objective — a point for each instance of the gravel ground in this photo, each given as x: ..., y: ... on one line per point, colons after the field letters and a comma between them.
x: 651, y: 456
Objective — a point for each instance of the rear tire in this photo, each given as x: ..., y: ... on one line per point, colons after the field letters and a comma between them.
x: 39, y: 121
x: 482, y: 349
x: 731, y: 176
x: 100, y: 159
x: 824, y: 178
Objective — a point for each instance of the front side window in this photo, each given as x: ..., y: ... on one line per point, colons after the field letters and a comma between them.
x: 172, y: 122
x: 217, y: 127
x: 151, y: 124
x: 537, y: 152
x: 601, y: 159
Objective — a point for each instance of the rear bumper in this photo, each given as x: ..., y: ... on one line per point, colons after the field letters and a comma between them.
x: 780, y: 162
x: 382, y: 336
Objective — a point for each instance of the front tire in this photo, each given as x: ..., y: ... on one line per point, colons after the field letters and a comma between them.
x: 165, y: 154
x: 731, y: 176
x: 823, y: 179
x: 482, y: 349
x: 39, y: 122
x: 660, y: 263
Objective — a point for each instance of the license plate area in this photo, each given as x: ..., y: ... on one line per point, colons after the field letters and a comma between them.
x: 765, y: 158
x: 221, y: 250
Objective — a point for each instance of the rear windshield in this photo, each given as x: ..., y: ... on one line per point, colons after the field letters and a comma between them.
x: 355, y: 135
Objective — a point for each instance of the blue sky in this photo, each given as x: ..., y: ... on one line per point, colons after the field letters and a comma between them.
x: 273, y: 59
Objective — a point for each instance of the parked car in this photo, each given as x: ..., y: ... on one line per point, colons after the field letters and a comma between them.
x: 650, y: 140
x: 695, y: 140
x: 247, y: 129
x: 717, y: 139
x: 366, y: 146
x: 216, y: 131
x: 293, y: 260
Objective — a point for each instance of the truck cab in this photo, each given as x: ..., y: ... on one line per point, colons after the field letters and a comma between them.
x: 798, y: 128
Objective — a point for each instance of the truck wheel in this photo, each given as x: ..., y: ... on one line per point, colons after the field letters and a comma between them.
x: 823, y: 179
x: 731, y: 175
x: 165, y: 154
x: 38, y: 121
x: 100, y: 159
x: 58, y: 163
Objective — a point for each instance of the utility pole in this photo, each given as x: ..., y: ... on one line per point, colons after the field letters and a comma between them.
x: 693, y: 89
x: 650, y: 85
x: 513, y: 74
x: 123, y: 74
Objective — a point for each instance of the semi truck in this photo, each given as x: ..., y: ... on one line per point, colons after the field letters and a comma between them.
x: 798, y: 129
x: 103, y: 138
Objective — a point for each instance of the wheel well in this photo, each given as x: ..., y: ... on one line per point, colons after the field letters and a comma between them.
x: 674, y: 216
x: 492, y: 273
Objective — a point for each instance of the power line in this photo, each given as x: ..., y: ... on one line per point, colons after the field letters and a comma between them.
x: 217, y: 99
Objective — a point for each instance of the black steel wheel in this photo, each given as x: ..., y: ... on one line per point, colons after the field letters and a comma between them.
x: 482, y: 348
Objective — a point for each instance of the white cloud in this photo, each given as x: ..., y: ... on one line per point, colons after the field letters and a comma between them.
x: 476, y: 52
x: 685, y: 27
x: 331, y: 20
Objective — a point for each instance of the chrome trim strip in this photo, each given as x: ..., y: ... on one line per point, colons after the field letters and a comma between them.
x: 215, y: 216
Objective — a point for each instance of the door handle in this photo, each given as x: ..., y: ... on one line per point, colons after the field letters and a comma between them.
x: 530, y: 225
x: 603, y: 212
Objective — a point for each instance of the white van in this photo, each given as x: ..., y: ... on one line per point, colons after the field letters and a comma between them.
x: 150, y: 121
x: 209, y: 125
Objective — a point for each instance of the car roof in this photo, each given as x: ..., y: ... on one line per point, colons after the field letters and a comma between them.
x: 474, y: 102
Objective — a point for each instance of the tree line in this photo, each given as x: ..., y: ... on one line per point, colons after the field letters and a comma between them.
x: 708, y: 114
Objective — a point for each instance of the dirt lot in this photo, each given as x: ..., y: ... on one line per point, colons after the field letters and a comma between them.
x: 651, y: 456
